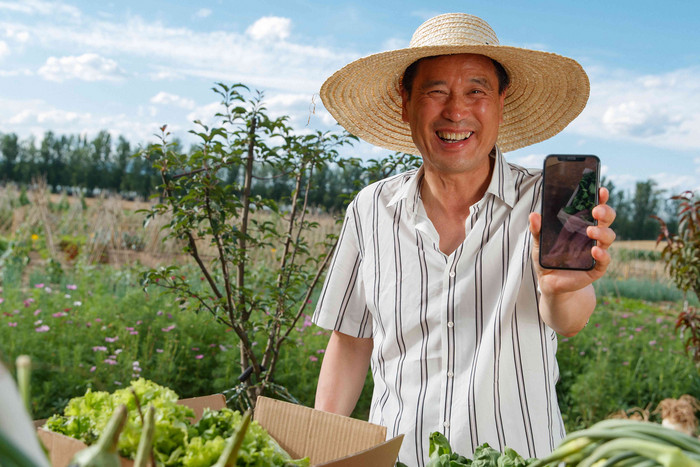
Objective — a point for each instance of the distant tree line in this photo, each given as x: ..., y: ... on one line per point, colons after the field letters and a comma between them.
x: 73, y: 162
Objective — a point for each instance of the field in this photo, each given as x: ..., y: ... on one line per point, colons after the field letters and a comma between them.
x: 71, y: 298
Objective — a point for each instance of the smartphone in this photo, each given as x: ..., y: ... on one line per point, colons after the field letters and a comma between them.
x: 569, y: 194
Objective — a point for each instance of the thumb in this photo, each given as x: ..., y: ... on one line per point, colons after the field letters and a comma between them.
x: 535, y: 226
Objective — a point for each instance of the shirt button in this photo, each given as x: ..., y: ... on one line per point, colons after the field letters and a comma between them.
x: 446, y: 424
x: 450, y: 374
x: 450, y: 324
x: 452, y: 274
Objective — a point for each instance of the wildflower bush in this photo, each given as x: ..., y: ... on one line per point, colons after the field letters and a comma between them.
x: 629, y: 356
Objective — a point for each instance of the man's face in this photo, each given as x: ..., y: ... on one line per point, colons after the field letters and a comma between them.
x: 454, y: 112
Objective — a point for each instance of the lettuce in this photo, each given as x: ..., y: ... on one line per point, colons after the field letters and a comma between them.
x: 176, y: 441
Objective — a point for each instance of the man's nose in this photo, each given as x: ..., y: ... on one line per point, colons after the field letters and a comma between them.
x: 456, y: 108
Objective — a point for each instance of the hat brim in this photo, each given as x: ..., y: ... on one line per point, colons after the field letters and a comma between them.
x: 547, y: 91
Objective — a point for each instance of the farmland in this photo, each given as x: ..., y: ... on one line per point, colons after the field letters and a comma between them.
x: 72, y: 299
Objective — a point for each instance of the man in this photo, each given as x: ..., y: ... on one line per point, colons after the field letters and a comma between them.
x: 434, y: 280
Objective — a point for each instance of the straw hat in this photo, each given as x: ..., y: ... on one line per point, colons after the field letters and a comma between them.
x: 546, y: 92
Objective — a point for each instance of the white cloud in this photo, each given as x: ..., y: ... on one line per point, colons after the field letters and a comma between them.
x: 4, y: 49
x: 219, y: 56
x: 659, y: 110
x: 270, y: 28
x: 87, y: 67
x: 674, y: 183
x: 40, y: 7
x: 16, y: 33
x: 530, y: 161
x: 203, y: 13
x: 165, y: 98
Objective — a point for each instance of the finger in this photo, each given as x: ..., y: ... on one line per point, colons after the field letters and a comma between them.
x: 603, y: 195
x: 535, y: 226
x: 604, y: 236
x: 602, y: 258
x: 604, y: 214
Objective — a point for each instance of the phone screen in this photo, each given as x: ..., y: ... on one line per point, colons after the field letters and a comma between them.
x: 570, y: 192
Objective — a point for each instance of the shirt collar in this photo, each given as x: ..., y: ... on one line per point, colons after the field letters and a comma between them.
x: 502, y: 184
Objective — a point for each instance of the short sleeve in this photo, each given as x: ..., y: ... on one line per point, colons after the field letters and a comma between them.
x: 342, y: 306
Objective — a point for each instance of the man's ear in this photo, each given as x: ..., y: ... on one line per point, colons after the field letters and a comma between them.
x: 502, y: 101
x: 404, y: 103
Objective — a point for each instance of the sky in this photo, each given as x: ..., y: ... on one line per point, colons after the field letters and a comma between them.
x: 130, y: 67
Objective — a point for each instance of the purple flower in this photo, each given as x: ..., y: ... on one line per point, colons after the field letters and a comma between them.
x: 99, y: 348
x: 28, y: 302
x: 92, y: 369
x: 112, y: 339
x: 39, y: 285
x: 652, y: 342
x: 110, y: 361
x: 71, y: 287
x: 659, y: 320
x: 43, y: 328
x: 321, y: 351
x: 199, y: 357
x: 12, y: 324
x: 159, y: 350
x: 168, y: 328
x: 2, y: 299
x: 313, y: 358
x: 37, y: 311
x: 59, y: 314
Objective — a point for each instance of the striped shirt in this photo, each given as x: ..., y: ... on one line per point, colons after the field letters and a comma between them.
x: 459, y: 346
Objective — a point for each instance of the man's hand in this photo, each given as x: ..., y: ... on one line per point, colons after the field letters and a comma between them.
x: 568, y: 298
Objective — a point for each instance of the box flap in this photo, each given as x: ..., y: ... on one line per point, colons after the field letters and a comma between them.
x: 382, y: 455
x: 321, y: 436
x: 198, y: 404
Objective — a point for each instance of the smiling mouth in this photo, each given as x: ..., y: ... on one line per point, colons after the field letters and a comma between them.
x: 451, y: 137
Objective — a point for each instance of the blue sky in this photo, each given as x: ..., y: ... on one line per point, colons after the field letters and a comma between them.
x: 131, y: 66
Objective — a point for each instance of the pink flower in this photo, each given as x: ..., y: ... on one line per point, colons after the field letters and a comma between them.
x: 195, y: 348
x: 59, y: 314
x: 199, y: 357
x: 37, y: 311
x: 12, y: 324
x: 43, y: 328
x: 168, y: 328
x: 99, y: 348
x: 92, y: 369
x: 133, y: 333
x: 652, y: 342
x: 313, y: 359
x: 39, y: 285
x: 112, y: 339
x: 28, y: 302
x: 659, y: 320
x: 321, y: 351
x: 71, y: 287
x: 159, y: 350
x: 2, y: 299
x: 110, y: 361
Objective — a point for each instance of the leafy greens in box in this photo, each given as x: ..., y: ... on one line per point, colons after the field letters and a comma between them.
x: 176, y: 441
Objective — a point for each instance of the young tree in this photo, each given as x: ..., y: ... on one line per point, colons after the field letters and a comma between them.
x: 682, y: 255
x: 260, y: 301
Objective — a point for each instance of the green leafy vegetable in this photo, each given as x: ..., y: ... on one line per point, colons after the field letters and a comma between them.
x: 442, y: 455
x: 176, y: 440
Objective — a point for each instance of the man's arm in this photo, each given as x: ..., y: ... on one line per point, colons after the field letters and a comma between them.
x: 343, y: 373
x: 568, y: 298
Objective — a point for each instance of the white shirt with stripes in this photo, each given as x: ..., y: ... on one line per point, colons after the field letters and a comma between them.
x: 459, y: 345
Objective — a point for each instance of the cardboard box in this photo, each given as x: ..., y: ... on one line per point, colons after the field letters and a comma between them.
x: 329, y: 440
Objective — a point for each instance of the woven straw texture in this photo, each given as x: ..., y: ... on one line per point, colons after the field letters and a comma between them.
x: 546, y: 92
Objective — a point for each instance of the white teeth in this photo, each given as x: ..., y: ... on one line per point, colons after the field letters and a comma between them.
x: 453, y: 137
